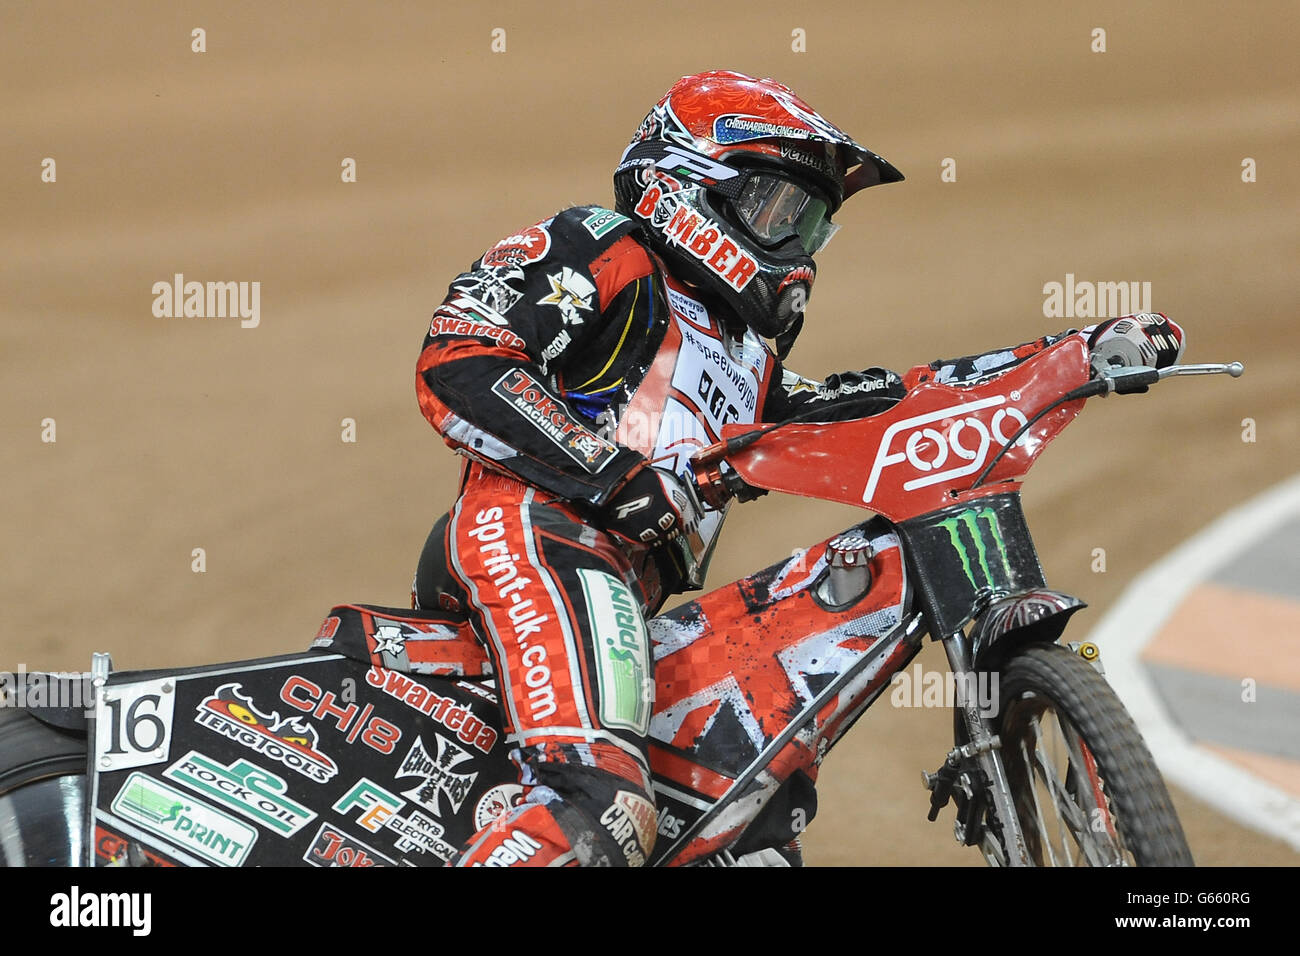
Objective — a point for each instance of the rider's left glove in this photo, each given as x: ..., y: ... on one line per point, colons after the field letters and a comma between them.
x: 651, y: 509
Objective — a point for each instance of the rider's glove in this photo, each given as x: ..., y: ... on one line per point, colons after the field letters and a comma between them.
x: 1150, y: 339
x: 651, y: 509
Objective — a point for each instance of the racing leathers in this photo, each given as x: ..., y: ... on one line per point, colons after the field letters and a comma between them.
x: 562, y: 365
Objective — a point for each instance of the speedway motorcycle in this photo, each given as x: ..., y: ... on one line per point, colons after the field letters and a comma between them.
x: 381, y: 745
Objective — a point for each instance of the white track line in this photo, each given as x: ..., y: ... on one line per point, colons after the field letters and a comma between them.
x: 1139, y: 615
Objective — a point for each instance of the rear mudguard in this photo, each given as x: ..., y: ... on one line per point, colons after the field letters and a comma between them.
x: 1036, y: 615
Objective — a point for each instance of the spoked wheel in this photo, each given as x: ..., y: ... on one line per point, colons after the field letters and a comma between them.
x: 1086, y: 789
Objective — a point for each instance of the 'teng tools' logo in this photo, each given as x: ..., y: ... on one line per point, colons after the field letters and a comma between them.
x: 960, y: 444
x: 292, y: 741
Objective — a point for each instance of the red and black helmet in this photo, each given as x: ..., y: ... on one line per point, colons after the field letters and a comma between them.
x: 734, y: 181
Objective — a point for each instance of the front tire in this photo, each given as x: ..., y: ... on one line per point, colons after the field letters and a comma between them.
x: 1086, y: 789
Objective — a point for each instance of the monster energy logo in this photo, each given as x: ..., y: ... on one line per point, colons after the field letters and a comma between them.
x: 970, y: 520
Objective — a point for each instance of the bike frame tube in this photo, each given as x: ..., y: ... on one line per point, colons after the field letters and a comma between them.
x: 906, y: 633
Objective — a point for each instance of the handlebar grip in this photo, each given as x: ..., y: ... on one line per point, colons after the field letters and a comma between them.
x: 1127, y: 381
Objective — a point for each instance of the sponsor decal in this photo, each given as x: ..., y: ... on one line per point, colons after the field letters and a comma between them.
x: 192, y: 825
x: 688, y: 164
x: 133, y: 724
x: 500, y: 799
x: 250, y: 791
x: 800, y: 274
x: 670, y: 826
x: 688, y: 307
x: 528, y: 246
x: 451, y: 324
x: 332, y: 847
x: 380, y: 811
x: 390, y: 639
x: 525, y: 618
x: 558, y: 344
x: 458, y: 719
x: 630, y: 820
x: 852, y: 388
x: 797, y: 385
x: 478, y: 690
x: 602, y: 221
x: 415, y: 831
x: 489, y: 288
x: 622, y: 652
x: 290, y: 741
x: 439, y: 779
x: 808, y: 158
x: 713, y: 398
x: 912, y: 440
x: 970, y: 521
x: 351, y: 719
x: 662, y: 123
x: 738, y: 128
x: 461, y: 306
x: 325, y: 636
x: 415, y: 646
x: 517, y: 848
x: 571, y: 293
x: 525, y: 395
x: 806, y: 115
x: 702, y: 238
x: 113, y: 850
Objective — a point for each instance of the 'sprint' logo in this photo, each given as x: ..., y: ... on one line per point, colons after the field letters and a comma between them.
x: 204, y: 831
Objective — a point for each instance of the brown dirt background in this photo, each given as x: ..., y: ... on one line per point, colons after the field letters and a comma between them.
x: 184, y: 433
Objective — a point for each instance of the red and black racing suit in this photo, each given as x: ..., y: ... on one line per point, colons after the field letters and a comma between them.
x: 559, y: 365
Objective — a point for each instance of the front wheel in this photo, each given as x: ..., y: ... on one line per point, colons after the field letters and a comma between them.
x: 1085, y: 787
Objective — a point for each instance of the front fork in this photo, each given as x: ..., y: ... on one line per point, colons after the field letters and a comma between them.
x: 982, y: 746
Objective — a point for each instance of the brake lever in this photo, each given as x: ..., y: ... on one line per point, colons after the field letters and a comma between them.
x: 1138, y: 378
x: 1235, y: 369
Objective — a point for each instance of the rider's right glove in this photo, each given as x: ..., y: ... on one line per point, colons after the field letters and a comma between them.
x: 651, y: 509
x: 1150, y: 339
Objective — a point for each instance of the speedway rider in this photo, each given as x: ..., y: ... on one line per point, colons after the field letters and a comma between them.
x: 577, y: 366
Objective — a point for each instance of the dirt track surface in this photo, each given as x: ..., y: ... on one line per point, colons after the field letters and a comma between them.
x: 176, y: 434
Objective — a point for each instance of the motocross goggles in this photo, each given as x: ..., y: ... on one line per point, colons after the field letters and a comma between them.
x: 775, y: 209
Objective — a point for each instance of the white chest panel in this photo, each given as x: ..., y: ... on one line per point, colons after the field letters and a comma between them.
x: 686, y: 398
